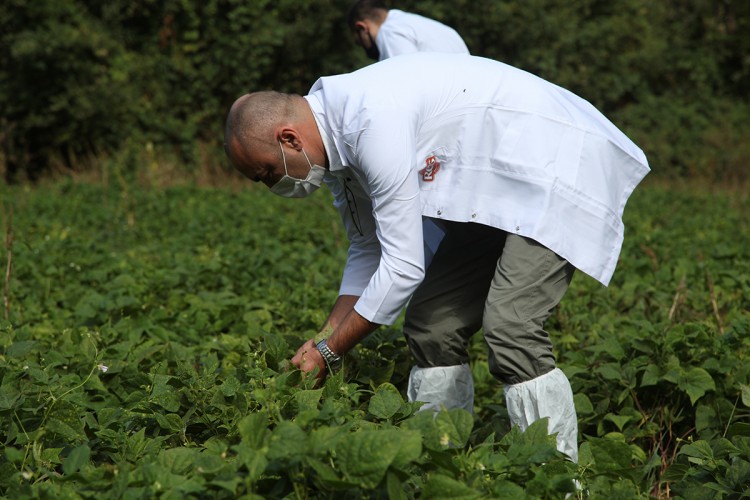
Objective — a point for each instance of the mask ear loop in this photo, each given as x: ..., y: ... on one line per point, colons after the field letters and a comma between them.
x: 308, y: 159
x: 283, y: 157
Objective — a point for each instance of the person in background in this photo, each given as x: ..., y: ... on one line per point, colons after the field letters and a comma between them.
x: 384, y: 33
x: 527, y: 180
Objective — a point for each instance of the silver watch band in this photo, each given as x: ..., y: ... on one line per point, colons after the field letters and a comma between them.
x: 325, y: 351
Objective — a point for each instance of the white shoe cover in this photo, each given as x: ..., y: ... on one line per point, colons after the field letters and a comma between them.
x: 438, y: 386
x: 550, y: 396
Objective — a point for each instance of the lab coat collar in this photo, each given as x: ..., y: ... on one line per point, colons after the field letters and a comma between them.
x: 334, y: 158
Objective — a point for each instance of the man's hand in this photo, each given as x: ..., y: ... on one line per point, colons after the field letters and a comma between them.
x: 308, y: 358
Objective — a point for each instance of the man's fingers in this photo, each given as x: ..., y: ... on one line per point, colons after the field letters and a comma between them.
x: 302, y: 352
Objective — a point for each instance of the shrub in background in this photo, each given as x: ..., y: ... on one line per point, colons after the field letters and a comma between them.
x: 80, y: 78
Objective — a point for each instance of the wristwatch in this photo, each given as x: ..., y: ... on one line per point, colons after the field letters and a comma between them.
x: 332, y: 359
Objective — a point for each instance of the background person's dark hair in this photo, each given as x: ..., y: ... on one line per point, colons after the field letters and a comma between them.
x: 364, y: 9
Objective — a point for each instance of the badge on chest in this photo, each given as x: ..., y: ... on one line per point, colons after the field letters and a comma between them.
x: 432, y: 166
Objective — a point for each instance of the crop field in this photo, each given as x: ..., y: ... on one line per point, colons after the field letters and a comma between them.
x: 146, y: 333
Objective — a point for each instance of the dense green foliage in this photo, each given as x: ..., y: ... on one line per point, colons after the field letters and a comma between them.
x: 144, y: 354
x: 84, y: 78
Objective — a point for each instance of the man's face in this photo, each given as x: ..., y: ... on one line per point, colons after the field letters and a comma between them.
x: 258, y: 165
x: 265, y: 163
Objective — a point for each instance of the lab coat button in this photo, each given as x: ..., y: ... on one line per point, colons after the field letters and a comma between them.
x: 473, y: 216
x: 440, y: 212
x: 518, y: 228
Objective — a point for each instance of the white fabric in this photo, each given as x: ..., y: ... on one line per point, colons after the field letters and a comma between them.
x: 467, y: 139
x: 406, y: 33
x: 547, y: 396
x: 442, y: 386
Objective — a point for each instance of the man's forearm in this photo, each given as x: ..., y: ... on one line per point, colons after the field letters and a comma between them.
x: 341, y: 308
x: 347, y: 325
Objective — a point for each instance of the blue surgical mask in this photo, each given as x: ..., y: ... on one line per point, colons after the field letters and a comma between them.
x: 289, y: 187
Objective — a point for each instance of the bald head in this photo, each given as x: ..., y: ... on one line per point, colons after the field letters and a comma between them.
x: 252, y: 120
x: 258, y: 123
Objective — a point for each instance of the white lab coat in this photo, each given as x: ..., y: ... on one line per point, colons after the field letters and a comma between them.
x: 466, y: 139
x: 406, y: 33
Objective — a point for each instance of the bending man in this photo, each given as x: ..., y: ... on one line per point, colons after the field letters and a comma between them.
x: 527, y: 180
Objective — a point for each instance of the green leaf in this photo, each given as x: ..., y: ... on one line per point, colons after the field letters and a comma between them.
x: 20, y: 348
x: 365, y: 456
x: 308, y: 399
x: 163, y: 394
x: 696, y: 382
x: 583, y: 404
x: 651, y: 376
x: 230, y: 386
x: 171, y: 422
x: 76, y: 459
x: 454, y: 427
x: 613, y: 347
x: 705, y: 418
x: 534, y: 445
x: 410, y: 448
x: 699, y: 450
x: 255, y: 461
x: 231, y: 484
x: 325, y: 439
x: 14, y: 454
x: 745, y: 394
x: 609, y: 455
x: 49, y: 455
x: 288, y: 442
x: 8, y: 396
x: 443, y: 429
x: 386, y: 401
x: 675, y: 472
x: 254, y: 429
x: 723, y: 448
x: 276, y: 349
x: 72, y: 431
x: 738, y: 429
x: 440, y: 487
x: 507, y: 489
x: 538, y: 432
x: 179, y: 460
x: 215, y: 445
x: 394, y: 487
x: 610, y: 371
x: 738, y: 476
x: 327, y: 476
x: 618, y: 420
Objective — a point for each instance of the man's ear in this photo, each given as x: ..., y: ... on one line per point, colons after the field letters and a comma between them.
x: 290, y: 137
x: 360, y: 26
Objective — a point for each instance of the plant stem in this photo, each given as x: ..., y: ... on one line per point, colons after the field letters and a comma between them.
x: 714, y: 303
x: 9, y: 265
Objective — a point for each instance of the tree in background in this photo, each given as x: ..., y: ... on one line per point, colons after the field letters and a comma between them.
x: 84, y: 79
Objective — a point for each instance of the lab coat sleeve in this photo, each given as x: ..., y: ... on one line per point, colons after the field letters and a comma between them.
x: 364, y: 249
x: 385, y: 156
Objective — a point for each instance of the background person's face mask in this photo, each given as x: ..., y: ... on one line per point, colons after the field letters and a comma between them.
x: 373, y: 52
x: 289, y: 187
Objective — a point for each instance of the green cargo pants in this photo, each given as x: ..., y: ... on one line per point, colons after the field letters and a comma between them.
x: 482, y: 277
